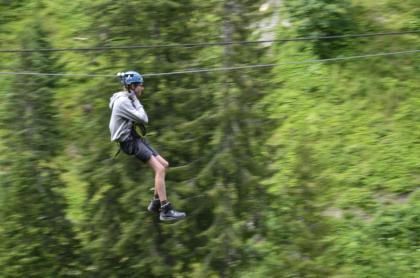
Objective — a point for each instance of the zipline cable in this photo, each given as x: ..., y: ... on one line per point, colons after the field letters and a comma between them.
x: 225, y: 68
x: 190, y: 45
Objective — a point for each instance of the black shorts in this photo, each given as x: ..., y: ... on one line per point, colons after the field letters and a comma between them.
x: 138, y: 147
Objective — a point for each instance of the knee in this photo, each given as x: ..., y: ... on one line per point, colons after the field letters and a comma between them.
x: 160, y: 169
x: 163, y: 161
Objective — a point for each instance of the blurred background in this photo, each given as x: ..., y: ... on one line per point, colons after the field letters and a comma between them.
x: 298, y: 156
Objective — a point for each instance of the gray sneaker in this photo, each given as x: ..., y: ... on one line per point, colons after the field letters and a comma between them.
x: 167, y: 213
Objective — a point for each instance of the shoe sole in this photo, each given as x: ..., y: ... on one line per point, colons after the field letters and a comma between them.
x: 171, y: 218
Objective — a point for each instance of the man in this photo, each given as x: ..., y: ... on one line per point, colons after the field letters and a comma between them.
x: 127, y: 112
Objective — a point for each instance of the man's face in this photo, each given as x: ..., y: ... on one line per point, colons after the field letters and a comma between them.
x: 139, y: 89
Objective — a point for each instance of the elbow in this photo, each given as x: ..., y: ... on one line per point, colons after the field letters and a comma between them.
x: 143, y: 120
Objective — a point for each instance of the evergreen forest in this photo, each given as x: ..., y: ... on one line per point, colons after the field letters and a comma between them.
x: 291, y: 128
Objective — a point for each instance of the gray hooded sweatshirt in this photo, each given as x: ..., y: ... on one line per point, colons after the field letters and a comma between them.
x: 126, y: 110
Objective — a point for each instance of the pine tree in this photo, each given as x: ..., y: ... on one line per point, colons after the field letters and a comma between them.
x: 36, y: 238
x: 231, y: 214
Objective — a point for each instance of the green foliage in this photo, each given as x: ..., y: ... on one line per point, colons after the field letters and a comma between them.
x: 318, y: 18
x: 363, y: 162
x: 295, y: 171
x: 36, y: 239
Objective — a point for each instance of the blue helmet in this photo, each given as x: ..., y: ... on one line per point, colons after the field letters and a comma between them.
x: 130, y: 77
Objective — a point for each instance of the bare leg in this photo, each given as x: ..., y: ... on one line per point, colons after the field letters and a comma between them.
x: 164, y: 164
x: 160, y: 170
x: 166, y: 211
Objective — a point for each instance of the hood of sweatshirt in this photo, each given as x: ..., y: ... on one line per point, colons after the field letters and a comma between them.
x: 115, y: 97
